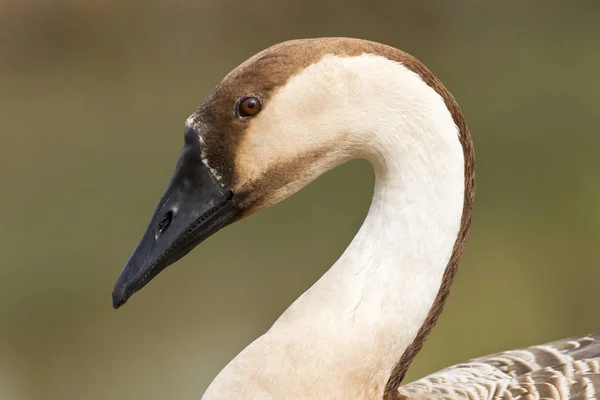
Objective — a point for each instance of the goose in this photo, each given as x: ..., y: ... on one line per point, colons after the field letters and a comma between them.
x: 273, y: 125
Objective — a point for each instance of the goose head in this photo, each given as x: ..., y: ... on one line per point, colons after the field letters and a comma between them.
x: 271, y: 126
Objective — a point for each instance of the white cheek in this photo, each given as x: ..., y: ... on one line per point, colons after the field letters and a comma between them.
x: 298, y: 121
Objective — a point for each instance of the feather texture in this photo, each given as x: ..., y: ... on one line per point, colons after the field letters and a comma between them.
x: 561, y: 370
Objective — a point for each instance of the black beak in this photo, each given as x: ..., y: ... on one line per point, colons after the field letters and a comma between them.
x: 194, y: 207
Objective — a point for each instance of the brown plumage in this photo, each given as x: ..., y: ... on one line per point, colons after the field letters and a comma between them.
x: 561, y: 370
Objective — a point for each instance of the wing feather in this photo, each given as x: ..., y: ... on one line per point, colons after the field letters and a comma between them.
x: 567, y: 369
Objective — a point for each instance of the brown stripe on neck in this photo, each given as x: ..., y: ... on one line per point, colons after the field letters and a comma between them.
x: 353, y: 47
x: 399, y: 371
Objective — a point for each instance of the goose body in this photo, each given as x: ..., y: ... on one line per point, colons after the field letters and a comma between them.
x: 273, y: 125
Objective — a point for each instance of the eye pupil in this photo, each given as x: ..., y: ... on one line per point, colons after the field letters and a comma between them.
x: 249, y: 106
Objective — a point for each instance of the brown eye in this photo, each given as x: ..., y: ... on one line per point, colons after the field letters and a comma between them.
x: 249, y: 106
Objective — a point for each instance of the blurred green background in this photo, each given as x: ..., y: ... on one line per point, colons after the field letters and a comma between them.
x: 94, y: 95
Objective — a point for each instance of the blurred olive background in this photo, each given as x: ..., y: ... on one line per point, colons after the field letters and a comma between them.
x: 94, y: 95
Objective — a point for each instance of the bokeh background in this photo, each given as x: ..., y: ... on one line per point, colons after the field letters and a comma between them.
x: 93, y: 99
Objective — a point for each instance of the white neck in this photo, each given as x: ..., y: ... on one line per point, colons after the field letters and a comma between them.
x: 342, y: 337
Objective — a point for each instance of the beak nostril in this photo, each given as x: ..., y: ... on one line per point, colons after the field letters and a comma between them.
x: 164, y: 224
